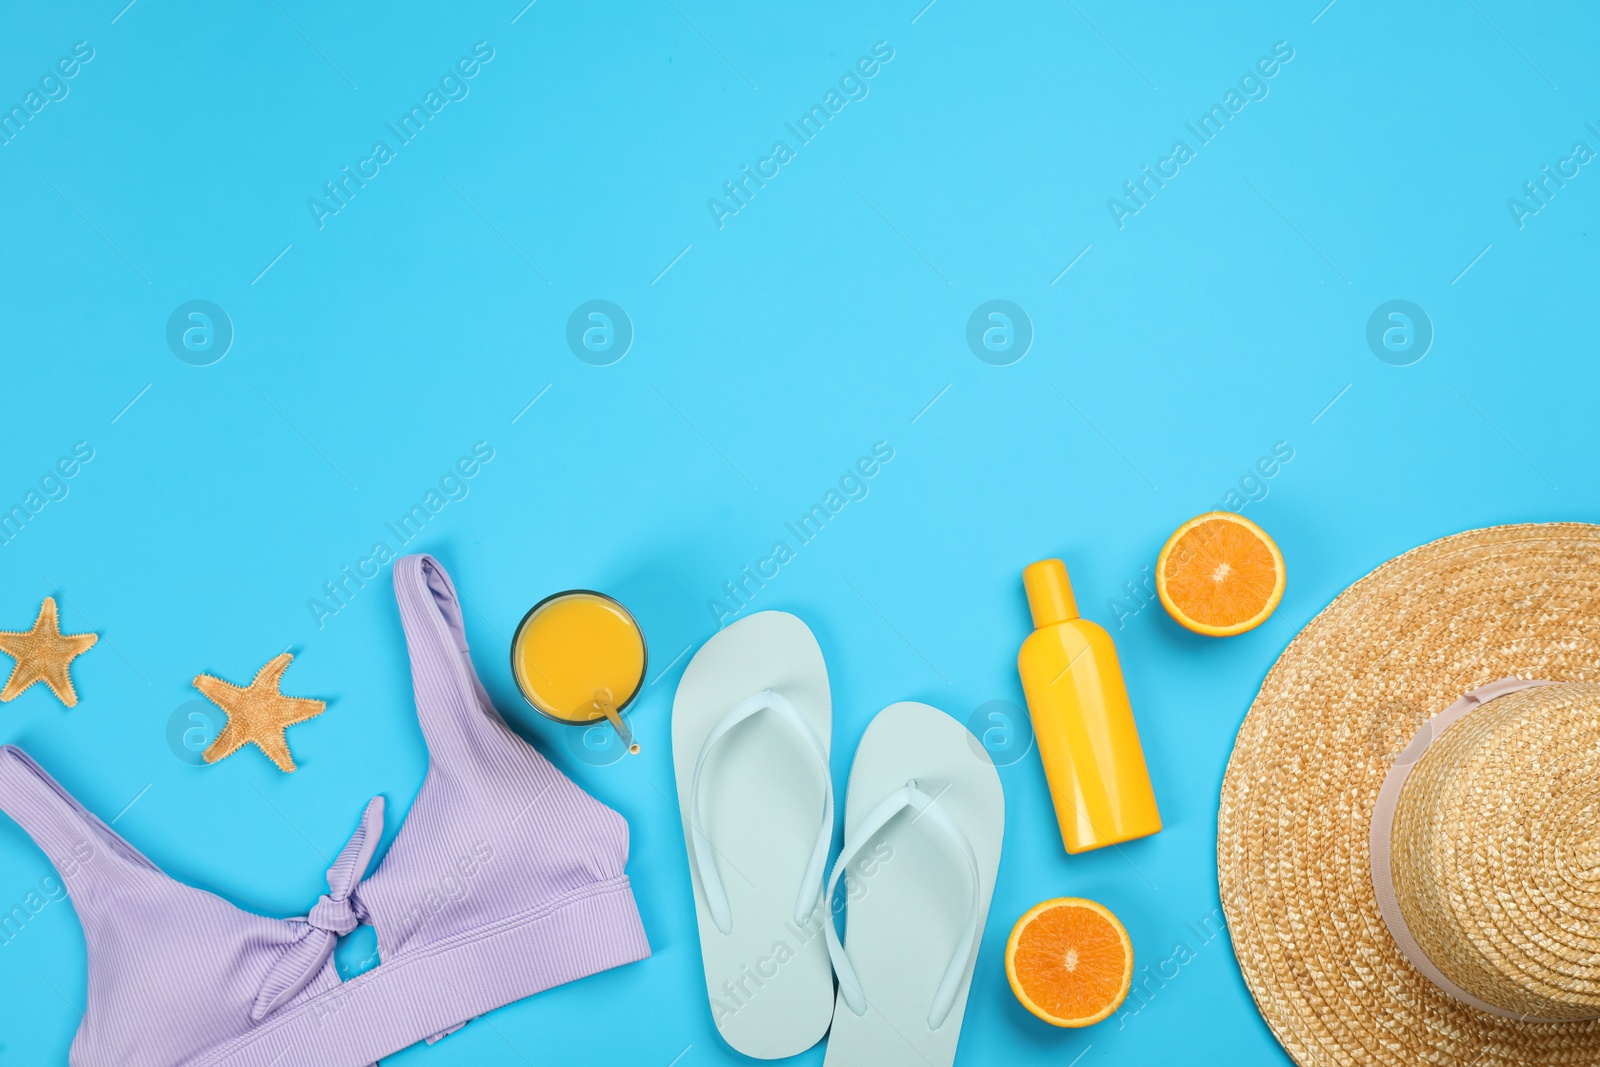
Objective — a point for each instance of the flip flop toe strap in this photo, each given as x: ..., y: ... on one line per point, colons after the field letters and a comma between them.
x: 909, y: 798
x: 705, y: 859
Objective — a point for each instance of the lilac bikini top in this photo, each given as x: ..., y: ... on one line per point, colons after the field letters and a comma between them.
x: 506, y: 879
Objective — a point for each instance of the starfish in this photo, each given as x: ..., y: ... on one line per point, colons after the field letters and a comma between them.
x: 44, y: 654
x: 258, y: 714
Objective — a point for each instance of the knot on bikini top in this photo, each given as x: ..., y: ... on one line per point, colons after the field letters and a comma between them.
x: 335, y: 915
x: 337, y: 912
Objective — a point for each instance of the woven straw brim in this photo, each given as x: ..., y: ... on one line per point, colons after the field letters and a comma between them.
x: 1349, y: 692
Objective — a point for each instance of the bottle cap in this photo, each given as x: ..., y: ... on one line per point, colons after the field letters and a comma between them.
x: 1049, y: 592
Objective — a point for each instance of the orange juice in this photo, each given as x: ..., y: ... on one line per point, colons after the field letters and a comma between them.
x: 579, y: 656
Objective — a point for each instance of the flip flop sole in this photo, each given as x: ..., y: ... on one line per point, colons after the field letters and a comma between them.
x: 908, y: 892
x: 769, y: 981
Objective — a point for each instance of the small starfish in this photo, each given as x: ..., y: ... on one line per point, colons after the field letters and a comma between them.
x: 258, y: 714
x: 44, y: 654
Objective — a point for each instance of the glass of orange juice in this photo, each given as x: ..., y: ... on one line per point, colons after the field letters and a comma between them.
x: 579, y: 656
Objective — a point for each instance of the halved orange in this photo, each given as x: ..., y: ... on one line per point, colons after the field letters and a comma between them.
x: 1069, y: 961
x: 1220, y: 574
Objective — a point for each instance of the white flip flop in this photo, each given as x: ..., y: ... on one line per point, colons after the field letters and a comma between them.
x: 923, y: 821
x: 752, y: 723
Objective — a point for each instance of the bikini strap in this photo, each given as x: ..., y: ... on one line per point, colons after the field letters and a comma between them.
x: 85, y: 851
x: 451, y: 702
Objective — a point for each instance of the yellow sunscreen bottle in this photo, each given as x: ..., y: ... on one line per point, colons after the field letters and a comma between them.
x: 1082, y: 720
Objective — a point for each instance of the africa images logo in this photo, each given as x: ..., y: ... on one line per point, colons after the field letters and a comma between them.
x: 53, y: 89
x: 740, y: 591
x: 452, y: 486
x: 452, y: 87
x: 52, y: 486
x: 199, y: 332
x: 852, y: 86
x: 1252, y: 86
x: 1538, y: 192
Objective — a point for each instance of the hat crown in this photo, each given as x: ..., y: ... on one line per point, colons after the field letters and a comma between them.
x: 1496, y: 851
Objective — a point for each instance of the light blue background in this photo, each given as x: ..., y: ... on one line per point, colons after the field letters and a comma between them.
x: 825, y: 316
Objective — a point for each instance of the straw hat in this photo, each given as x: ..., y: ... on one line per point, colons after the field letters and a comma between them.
x: 1408, y: 844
